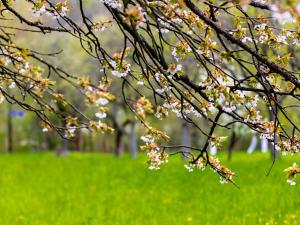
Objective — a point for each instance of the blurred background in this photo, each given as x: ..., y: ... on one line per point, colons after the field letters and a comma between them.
x: 36, y: 187
x: 21, y: 131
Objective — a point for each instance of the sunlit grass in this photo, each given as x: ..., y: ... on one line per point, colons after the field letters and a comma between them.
x: 39, y: 188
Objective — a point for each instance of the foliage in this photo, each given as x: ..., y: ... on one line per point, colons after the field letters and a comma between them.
x: 245, y: 53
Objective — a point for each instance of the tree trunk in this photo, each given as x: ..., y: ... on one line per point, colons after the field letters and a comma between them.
x: 252, y: 145
x: 186, y: 138
x: 231, y: 145
x: 119, y: 143
x: 264, y: 145
x: 133, y: 141
x: 64, y: 149
x: 104, y: 146
x: 77, y: 140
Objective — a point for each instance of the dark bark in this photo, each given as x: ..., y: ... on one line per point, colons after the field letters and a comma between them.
x: 231, y: 145
x: 273, y: 152
x: 119, y: 143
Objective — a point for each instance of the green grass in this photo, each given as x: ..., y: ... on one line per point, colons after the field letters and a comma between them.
x: 39, y: 188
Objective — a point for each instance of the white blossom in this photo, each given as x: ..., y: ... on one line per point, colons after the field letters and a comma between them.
x: 100, y: 115
x: 45, y: 129
x: 147, y: 139
x: 12, y: 85
x: 247, y: 39
x: 140, y: 83
x: 291, y: 182
x: 40, y: 11
x: 2, y: 98
x: 260, y: 26
x: 177, y: 68
x: 111, y: 3
x: 102, y: 101
x: 190, y: 167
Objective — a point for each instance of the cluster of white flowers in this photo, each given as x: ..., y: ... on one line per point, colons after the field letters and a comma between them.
x: 175, y: 52
x: 199, y: 164
x: 268, y: 136
x: 161, y: 112
x: 253, y: 116
x: 140, y: 83
x: 63, y: 12
x: 41, y: 11
x: 252, y: 102
x: 6, y: 54
x: 247, y: 39
x: 120, y: 74
x: 208, y: 108
x: 112, y: 3
x: 262, y: 38
x: 185, y: 109
x: 260, y: 1
x: 100, y: 115
x: 291, y: 182
x: 171, y: 104
x: 176, y: 20
x: 159, y: 77
x: 292, y: 172
x: 283, y: 38
x: 25, y: 68
x: 102, y: 110
x: 147, y: 139
x: 101, y: 101
x: 12, y: 85
x: 262, y: 32
x: 155, y: 159
x: 229, y: 108
x: 223, y: 180
x: 2, y: 98
x: 116, y: 72
x: 176, y: 69
x: 220, y: 97
x: 163, y: 90
x: 188, y: 109
x: 261, y: 26
x: 156, y: 156
x: 216, y: 141
x: 190, y: 167
x: 70, y: 132
x: 45, y: 129
x: 99, y: 124
x: 288, y: 147
x: 165, y: 27
x: 99, y: 28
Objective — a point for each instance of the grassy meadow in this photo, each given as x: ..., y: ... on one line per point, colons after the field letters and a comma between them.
x: 94, y: 189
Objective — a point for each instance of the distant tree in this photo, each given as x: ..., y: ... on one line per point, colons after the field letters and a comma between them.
x: 227, y: 41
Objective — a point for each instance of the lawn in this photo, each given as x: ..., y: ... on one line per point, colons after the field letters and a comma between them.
x: 40, y: 189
